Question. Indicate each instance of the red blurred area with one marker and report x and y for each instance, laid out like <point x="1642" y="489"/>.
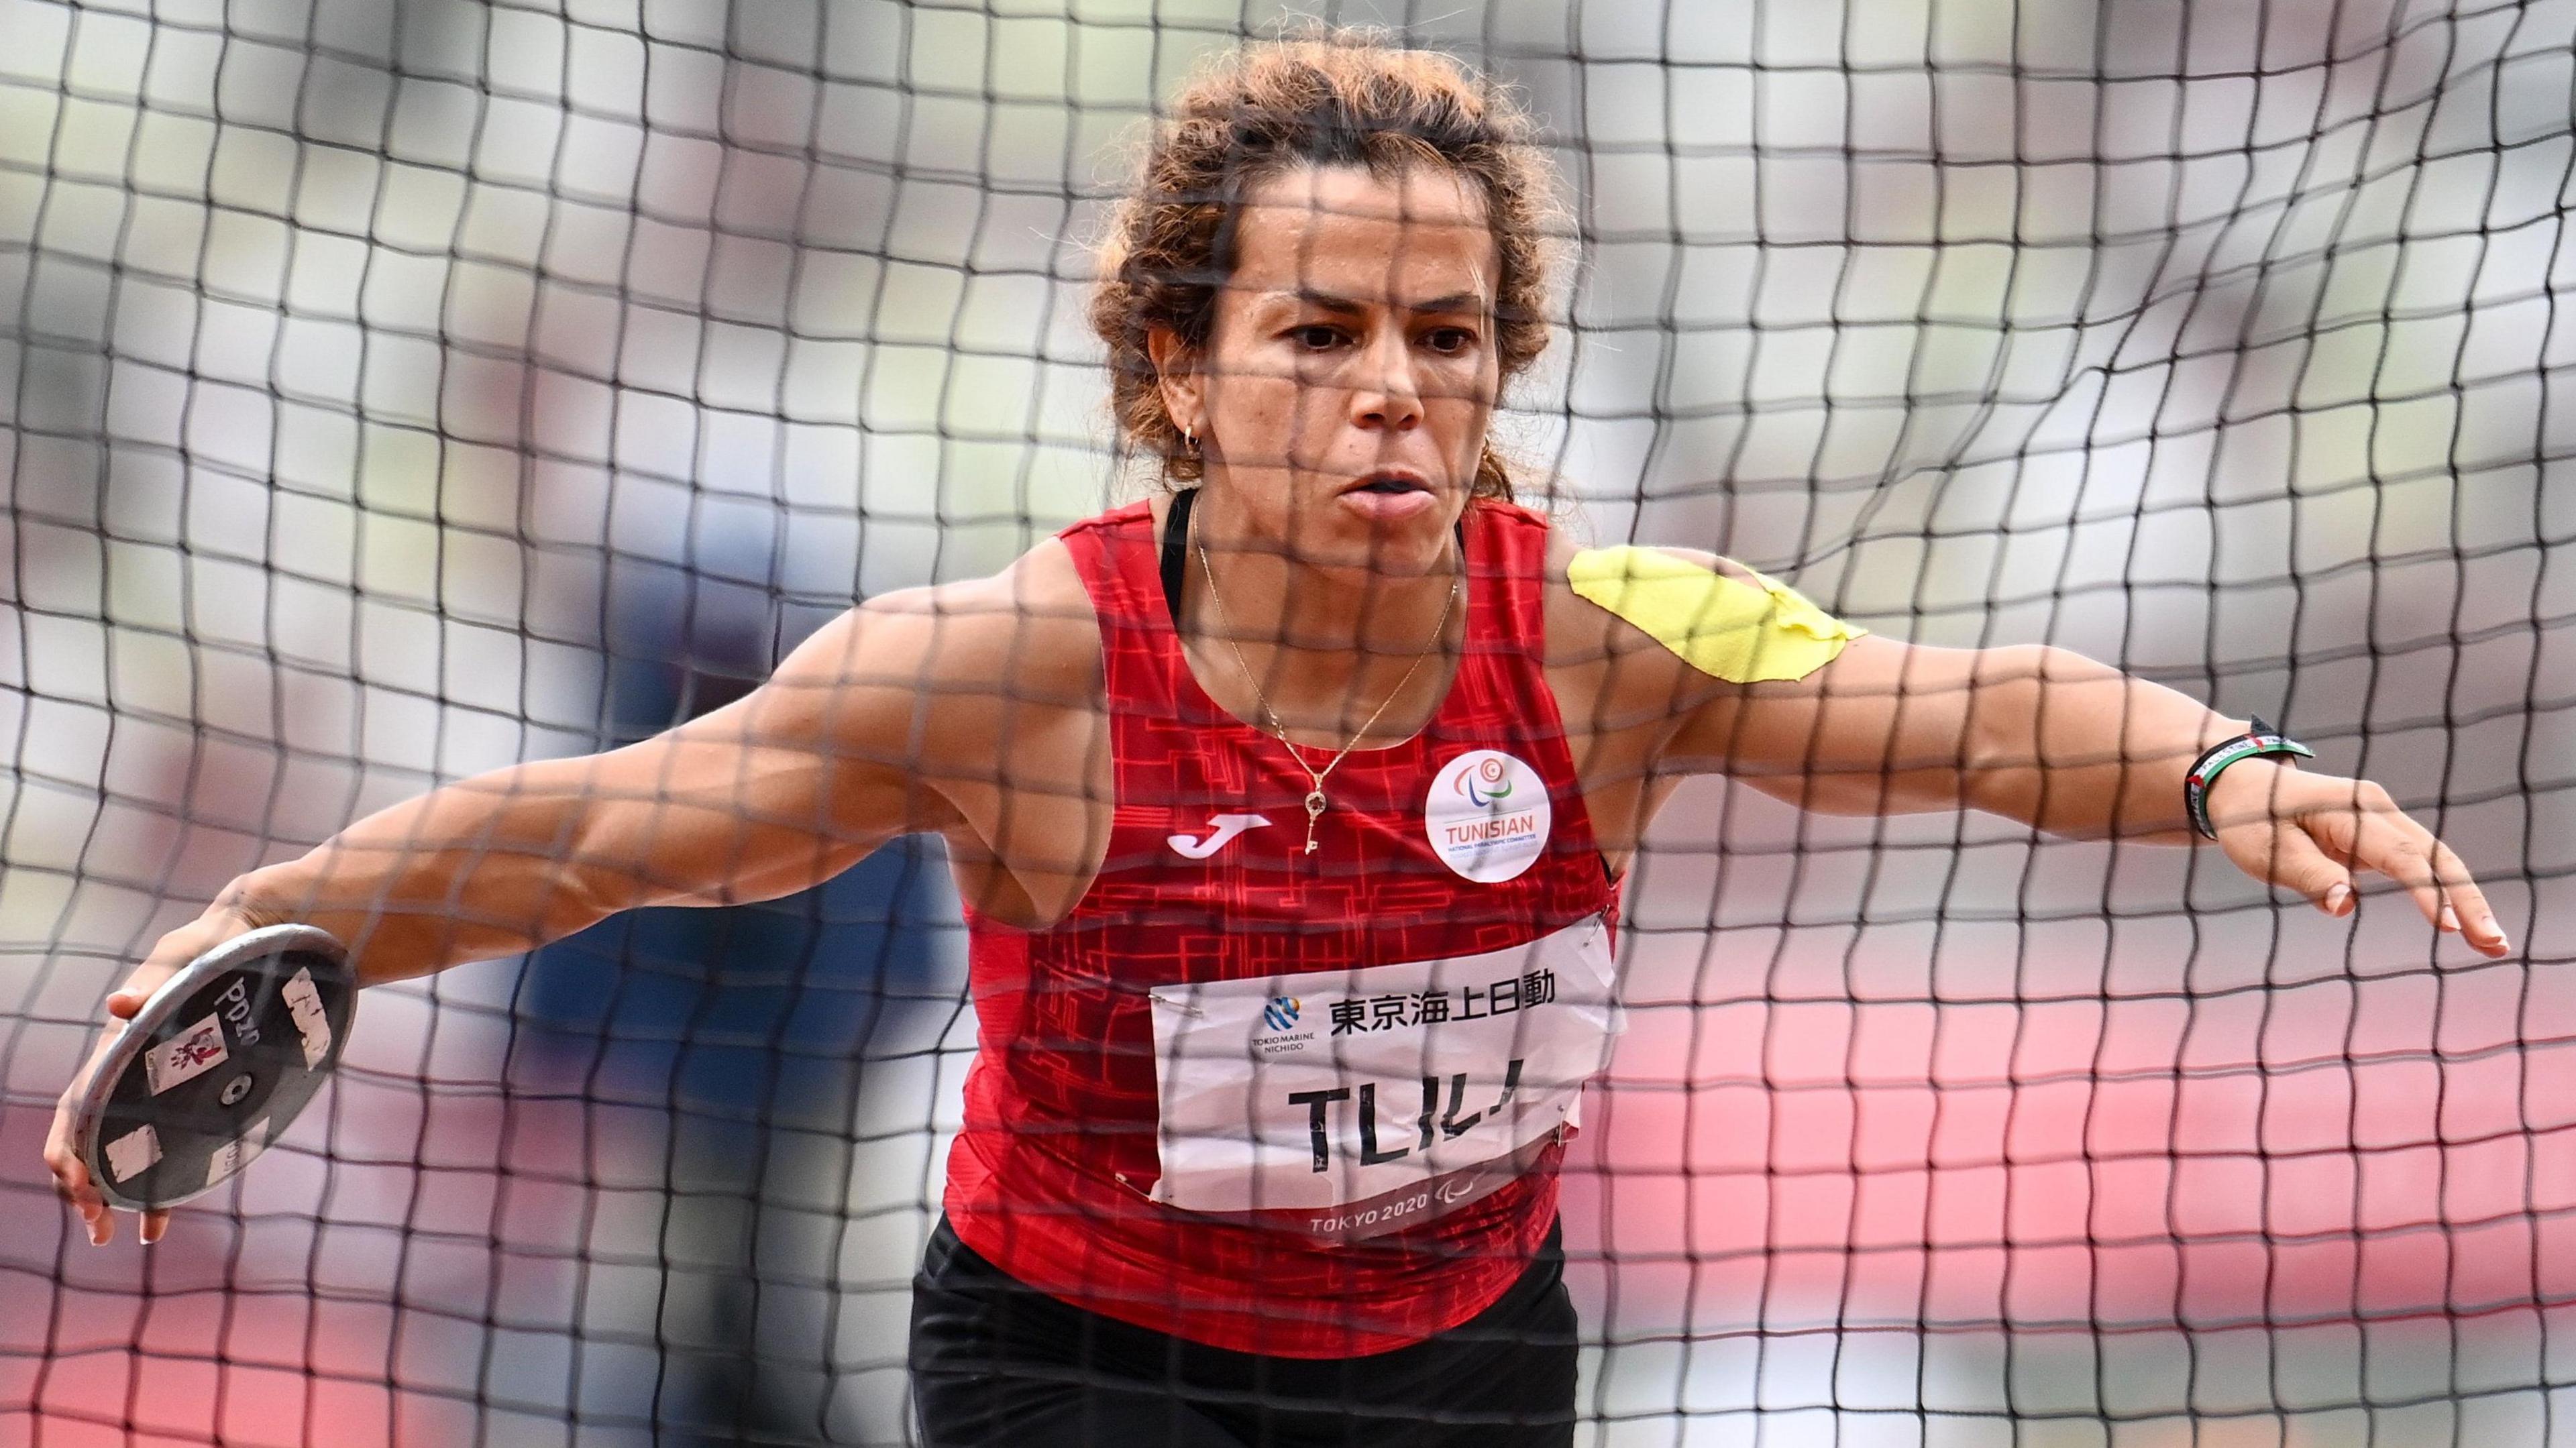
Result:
<point x="417" y="1264"/>
<point x="2370" y="1148"/>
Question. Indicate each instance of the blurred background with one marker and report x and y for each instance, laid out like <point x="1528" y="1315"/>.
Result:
<point x="395" y="389"/>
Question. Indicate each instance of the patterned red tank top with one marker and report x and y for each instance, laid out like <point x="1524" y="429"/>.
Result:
<point x="1307" y="1105"/>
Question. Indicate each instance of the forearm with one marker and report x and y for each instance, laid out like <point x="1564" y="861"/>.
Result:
<point x="484" y="867"/>
<point x="2076" y="747"/>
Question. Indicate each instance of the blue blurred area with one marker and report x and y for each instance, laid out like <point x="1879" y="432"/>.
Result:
<point x="761" y="1010"/>
<point x="747" y="1031"/>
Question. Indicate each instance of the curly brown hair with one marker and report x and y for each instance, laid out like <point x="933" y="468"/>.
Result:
<point x="1340" y="97"/>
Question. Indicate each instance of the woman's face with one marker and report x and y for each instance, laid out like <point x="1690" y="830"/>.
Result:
<point x="1342" y="399"/>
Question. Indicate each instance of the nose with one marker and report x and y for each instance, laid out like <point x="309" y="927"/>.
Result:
<point x="1386" y="396"/>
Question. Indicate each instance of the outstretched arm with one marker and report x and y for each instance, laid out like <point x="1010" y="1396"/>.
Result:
<point x="779" y="790"/>
<point x="845" y="746"/>
<point x="2070" y="746"/>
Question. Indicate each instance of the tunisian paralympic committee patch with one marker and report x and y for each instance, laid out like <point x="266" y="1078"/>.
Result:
<point x="1487" y="815"/>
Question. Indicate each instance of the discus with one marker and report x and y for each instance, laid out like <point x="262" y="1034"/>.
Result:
<point x="215" y="1066"/>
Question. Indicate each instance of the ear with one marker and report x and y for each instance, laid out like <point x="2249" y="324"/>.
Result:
<point x="1176" y="372"/>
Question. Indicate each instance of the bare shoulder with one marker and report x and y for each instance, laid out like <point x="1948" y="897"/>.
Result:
<point x="1003" y="682"/>
<point x="925" y="679"/>
<point x="1623" y="675"/>
<point x="1589" y="630"/>
<point x="1026" y="633"/>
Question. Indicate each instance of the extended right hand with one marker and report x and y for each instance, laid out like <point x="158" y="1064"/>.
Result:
<point x="71" y="1174"/>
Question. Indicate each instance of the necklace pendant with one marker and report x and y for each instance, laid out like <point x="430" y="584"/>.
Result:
<point x="1314" y="812"/>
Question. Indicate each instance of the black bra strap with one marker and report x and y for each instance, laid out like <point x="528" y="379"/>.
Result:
<point x="1176" y="547"/>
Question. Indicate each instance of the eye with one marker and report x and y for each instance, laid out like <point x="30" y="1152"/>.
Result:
<point x="1449" y="341"/>
<point x="1316" y="337"/>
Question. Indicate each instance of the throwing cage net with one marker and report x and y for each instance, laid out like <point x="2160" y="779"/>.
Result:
<point x="396" y="391"/>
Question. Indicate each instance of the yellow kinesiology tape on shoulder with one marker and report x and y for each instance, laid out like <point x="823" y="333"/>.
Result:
<point x="1742" y="632"/>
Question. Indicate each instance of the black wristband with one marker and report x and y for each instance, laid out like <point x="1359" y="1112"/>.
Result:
<point x="2258" y="738"/>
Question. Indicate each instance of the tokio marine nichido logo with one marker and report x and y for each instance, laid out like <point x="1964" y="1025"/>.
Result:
<point x="1487" y="816"/>
<point x="1280" y="1015"/>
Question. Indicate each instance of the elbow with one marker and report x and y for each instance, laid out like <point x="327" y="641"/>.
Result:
<point x="2047" y="739"/>
<point x="575" y="903"/>
<point x="2003" y="706"/>
<point x="2002" y="763"/>
<point x="587" y="882"/>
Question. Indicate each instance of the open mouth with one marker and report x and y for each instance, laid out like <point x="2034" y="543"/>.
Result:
<point x="1390" y="483"/>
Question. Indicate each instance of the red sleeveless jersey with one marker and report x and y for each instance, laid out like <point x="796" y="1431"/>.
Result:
<point x="1096" y="1161"/>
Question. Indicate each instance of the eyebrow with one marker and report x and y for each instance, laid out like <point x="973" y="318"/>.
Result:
<point x="1331" y="302"/>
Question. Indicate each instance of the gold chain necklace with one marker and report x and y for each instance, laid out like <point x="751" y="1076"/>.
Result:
<point x="1315" y="800"/>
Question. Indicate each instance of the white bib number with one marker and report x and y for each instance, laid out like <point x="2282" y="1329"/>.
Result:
<point x="1354" y="1102"/>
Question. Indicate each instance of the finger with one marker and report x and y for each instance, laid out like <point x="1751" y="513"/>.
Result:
<point x="97" y="1222"/>
<point x="72" y="1182"/>
<point x="2288" y="858"/>
<point x="2466" y="905"/>
<point x="154" y="1224"/>
<point x="124" y="1001"/>
<point x="2394" y="844"/>
<point x="2385" y="840"/>
<point x="71" y="1175"/>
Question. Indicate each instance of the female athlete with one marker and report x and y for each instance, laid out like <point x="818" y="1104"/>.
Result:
<point x="1290" y="808"/>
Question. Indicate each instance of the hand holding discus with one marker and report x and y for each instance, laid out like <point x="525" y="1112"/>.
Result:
<point x="222" y="1044"/>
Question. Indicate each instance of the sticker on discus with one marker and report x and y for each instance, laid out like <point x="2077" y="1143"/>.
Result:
<point x="132" y="1154"/>
<point x="304" y="1003"/>
<point x="186" y="1058"/>
<point x="233" y="1155"/>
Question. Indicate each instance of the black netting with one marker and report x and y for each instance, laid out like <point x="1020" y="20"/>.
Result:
<point x="396" y="391"/>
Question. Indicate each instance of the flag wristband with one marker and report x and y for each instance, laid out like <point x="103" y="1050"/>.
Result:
<point x="2259" y="738"/>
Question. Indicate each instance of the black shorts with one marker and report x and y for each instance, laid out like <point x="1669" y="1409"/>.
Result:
<point x="998" y="1364"/>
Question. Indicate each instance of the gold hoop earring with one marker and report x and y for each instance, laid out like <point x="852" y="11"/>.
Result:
<point x="1189" y="439"/>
